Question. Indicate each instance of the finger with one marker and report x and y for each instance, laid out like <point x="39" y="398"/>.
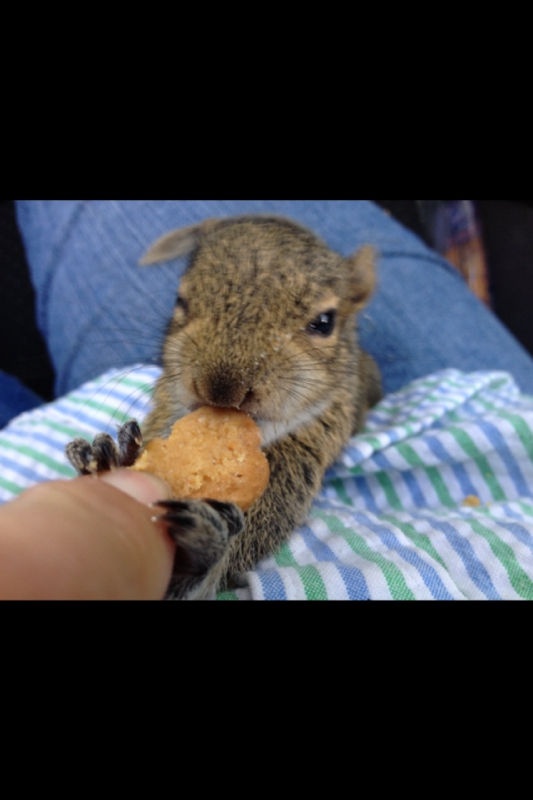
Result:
<point x="142" y="486"/>
<point x="83" y="539"/>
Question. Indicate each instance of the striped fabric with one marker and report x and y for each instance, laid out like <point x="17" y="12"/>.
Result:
<point x="434" y="500"/>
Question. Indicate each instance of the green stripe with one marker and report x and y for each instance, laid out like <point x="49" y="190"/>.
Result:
<point x="55" y="426"/>
<point x="483" y="510"/>
<point x="340" y="489"/>
<point x="63" y="469"/>
<point x="526" y="508"/>
<point x="357" y="471"/>
<point x="444" y="494"/>
<point x="453" y="416"/>
<point x="284" y="557"/>
<point x="374" y="442"/>
<point x="419" y="539"/>
<point x="430" y="385"/>
<point x="387" y="486"/>
<point x="472" y="451"/>
<point x="417" y="418"/>
<point x="227" y="596"/>
<point x="11" y="487"/>
<point x="520" y="581"/>
<point x="435" y="398"/>
<point x="498" y="383"/>
<point x="393" y="576"/>
<point x="101" y="407"/>
<point x="414" y="460"/>
<point x="519" y="424"/>
<point x="312" y="582"/>
<point x="137" y="382"/>
<point x="404" y="431"/>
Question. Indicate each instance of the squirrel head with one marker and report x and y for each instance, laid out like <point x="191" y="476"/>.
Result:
<point x="264" y="320"/>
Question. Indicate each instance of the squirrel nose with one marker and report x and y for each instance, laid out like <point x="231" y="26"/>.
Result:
<point x="223" y="389"/>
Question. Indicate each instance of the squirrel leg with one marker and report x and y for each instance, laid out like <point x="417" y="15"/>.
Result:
<point x="296" y="471"/>
<point x="373" y="387"/>
<point x="370" y="390"/>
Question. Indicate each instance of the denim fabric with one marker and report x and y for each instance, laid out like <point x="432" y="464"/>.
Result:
<point x="97" y="309"/>
<point x="15" y="398"/>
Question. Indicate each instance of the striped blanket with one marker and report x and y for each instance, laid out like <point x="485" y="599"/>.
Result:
<point x="434" y="500"/>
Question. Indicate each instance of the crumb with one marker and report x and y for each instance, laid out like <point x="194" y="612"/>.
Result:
<point x="471" y="501"/>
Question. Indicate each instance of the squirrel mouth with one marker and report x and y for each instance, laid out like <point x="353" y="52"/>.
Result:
<point x="256" y="418"/>
<point x="271" y="430"/>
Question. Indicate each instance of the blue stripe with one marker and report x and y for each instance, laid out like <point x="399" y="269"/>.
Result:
<point x="428" y="573"/>
<point x="414" y="489"/>
<point x="27" y="472"/>
<point x="128" y="406"/>
<point x="510" y="513"/>
<point x="355" y="583"/>
<point x="143" y="373"/>
<point x="106" y="395"/>
<point x="474" y="568"/>
<point x="408" y="477"/>
<point x="354" y="580"/>
<point x="522" y="534"/>
<point x="356" y="455"/>
<point x="272" y="585"/>
<point x="358" y="485"/>
<point x="6" y="495"/>
<point x="438" y="449"/>
<point x="393" y="435"/>
<point x="117" y="391"/>
<point x="35" y="436"/>
<point x="95" y="424"/>
<point x="355" y="485"/>
<point x="496" y="439"/>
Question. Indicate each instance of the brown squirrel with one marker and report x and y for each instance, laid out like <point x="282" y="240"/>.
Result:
<point x="265" y="321"/>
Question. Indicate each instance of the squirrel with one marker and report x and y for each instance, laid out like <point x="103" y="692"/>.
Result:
<point x="264" y="321"/>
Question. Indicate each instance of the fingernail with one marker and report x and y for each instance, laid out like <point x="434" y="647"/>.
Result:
<point x="142" y="486"/>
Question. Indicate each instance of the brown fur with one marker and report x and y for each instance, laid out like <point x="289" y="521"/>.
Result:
<point x="239" y="337"/>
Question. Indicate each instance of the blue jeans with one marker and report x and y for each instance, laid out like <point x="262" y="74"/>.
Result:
<point x="98" y="309"/>
<point x="15" y="398"/>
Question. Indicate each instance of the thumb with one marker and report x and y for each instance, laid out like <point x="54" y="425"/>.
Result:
<point x="87" y="538"/>
<point x="142" y="486"/>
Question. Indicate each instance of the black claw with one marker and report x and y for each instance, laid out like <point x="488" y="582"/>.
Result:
<point x="80" y="454"/>
<point x="179" y="524"/>
<point x="173" y="505"/>
<point x="105" y="452"/>
<point x="231" y="513"/>
<point x="201" y="530"/>
<point x="129" y="442"/>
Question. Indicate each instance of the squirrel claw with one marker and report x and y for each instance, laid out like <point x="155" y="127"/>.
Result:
<point x="202" y="530"/>
<point x="230" y="512"/>
<point x="103" y="454"/>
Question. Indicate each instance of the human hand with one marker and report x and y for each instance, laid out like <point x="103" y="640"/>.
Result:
<point x="86" y="539"/>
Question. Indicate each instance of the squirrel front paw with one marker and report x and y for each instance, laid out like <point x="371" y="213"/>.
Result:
<point x="202" y="529"/>
<point x="103" y="454"/>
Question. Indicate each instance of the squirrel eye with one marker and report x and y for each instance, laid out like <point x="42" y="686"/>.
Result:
<point x="181" y="303"/>
<point x="323" y="324"/>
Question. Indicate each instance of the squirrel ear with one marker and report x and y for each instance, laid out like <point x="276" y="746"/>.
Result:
<point x="183" y="241"/>
<point x="362" y="275"/>
<point x="179" y="242"/>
